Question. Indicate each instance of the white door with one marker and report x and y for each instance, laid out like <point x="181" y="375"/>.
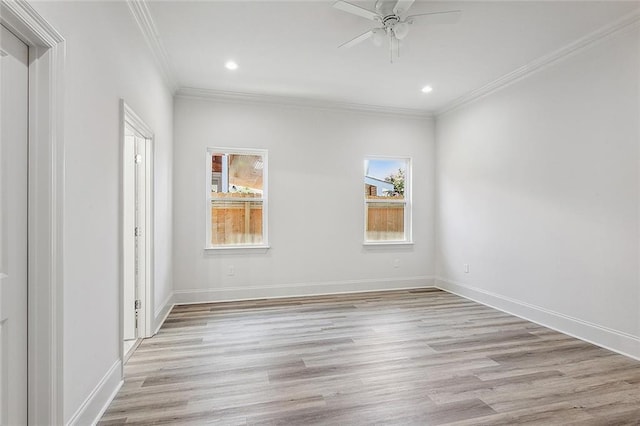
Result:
<point x="141" y="227"/>
<point x="129" y="225"/>
<point x="13" y="228"/>
<point x="134" y="227"/>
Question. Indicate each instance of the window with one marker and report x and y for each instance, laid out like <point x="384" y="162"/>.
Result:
<point x="236" y="198"/>
<point x="387" y="200"/>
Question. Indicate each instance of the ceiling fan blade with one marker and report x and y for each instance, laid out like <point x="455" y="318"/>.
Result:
<point x="357" y="10"/>
<point x="402" y="6"/>
<point x="446" y="17"/>
<point x="359" y="39"/>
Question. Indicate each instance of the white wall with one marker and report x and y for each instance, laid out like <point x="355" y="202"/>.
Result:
<point x="315" y="201"/>
<point x="538" y="192"/>
<point x="106" y="59"/>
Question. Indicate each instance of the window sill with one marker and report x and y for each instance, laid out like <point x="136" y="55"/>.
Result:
<point x="238" y="249"/>
<point x="387" y="243"/>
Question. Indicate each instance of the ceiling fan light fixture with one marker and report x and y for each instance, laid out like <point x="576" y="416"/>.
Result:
<point x="427" y="89"/>
<point x="231" y="65"/>
<point x="401" y="30"/>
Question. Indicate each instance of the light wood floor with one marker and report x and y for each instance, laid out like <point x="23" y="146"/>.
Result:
<point x="403" y="357"/>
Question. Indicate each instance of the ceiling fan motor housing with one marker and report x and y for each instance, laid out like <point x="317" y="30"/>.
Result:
<point x="390" y="20"/>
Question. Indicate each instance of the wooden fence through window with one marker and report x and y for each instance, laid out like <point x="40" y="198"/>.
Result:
<point x="240" y="222"/>
<point x="236" y="222"/>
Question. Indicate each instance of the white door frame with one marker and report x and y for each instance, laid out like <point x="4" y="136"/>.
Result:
<point x="45" y="205"/>
<point x="145" y="291"/>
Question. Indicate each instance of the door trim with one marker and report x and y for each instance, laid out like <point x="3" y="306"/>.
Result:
<point x="45" y="209"/>
<point x="145" y="326"/>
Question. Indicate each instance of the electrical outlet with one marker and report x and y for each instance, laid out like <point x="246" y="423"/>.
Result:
<point x="396" y="263"/>
<point x="231" y="271"/>
<point x="466" y="268"/>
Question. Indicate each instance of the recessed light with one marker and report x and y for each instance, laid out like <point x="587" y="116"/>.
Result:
<point x="427" y="89"/>
<point x="231" y="65"/>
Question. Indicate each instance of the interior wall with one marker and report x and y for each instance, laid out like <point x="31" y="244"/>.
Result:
<point x="538" y="192"/>
<point x="316" y="215"/>
<point x="106" y="60"/>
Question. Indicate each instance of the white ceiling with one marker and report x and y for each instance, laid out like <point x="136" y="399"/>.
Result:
<point x="286" y="48"/>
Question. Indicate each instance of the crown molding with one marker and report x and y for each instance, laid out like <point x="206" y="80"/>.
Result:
<point x="626" y="22"/>
<point x="254" y="98"/>
<point x="140" y="11"/>
<point x="43" y="33"/>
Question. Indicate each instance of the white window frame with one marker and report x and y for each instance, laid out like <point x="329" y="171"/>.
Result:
<point x="407" y="201"/>
<point x="264" y="199"/>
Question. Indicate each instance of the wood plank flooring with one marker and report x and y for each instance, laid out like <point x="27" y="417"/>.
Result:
<point x="403" y="357"/>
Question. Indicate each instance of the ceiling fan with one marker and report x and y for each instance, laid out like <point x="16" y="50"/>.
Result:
<point x="393" y="21"/>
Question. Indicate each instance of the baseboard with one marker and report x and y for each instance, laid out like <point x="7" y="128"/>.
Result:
<point x="92" y="409"/>
<point x="163" y="313"/>
<point x="301" y="289"/>
<point x="614" y="340"/>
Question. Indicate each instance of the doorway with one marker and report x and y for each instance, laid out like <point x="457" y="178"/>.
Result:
<point x="44" y="224"/>
<point x="137" y="162"/>
<point x="14" y="170"/>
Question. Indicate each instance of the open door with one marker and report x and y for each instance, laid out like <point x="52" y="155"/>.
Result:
<point x="129" y="247"/>
<point x="136" y="220"/>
